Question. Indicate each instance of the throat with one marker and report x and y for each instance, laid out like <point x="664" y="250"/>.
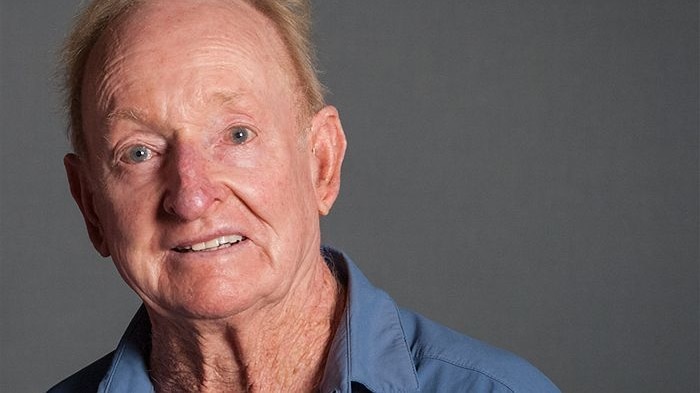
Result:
<point x="270" y="351"/>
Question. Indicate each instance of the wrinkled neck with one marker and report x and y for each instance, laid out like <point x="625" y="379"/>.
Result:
<point x="281" y="347"/>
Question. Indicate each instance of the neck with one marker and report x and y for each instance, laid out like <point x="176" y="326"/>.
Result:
<point x="281" y="348"/>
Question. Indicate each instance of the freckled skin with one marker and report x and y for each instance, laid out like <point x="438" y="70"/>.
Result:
<point x="198" y="181"/>
<point x="177" y="85"/>
<point x="175" y="77"/>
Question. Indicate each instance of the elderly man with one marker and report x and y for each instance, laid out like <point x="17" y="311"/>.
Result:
<point x="204" y="155"/>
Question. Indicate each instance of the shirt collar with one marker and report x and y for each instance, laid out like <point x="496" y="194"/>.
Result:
<point x="129" y="371"/>
<point x="369" y="346"/>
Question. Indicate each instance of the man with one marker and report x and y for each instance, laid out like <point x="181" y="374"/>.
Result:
<point x="204" y="155"/>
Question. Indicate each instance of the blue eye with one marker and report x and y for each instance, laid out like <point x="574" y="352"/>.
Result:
<point x="138" y="153"/>
<point x="241" y="135"/>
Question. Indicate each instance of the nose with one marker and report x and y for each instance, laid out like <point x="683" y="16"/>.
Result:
<point x="190" y="191"/>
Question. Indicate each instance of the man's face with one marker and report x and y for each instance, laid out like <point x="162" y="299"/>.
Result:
<point x="200" y="180"/>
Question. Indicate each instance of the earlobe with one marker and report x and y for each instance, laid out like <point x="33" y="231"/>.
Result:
<point x="82" y="194"/>
<point x="328" y="148"/>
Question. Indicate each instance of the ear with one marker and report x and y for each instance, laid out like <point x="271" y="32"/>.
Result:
<point x="328" y="150"/>
<point x="81" y="190"/>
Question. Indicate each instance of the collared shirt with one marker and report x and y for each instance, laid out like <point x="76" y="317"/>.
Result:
<point x="378" y="347"/>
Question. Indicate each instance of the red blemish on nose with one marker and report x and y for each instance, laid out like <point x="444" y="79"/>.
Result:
<point x="190" y="192"/>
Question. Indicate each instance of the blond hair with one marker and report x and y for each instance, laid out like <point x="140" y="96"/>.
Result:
<point x="291" y="18"/>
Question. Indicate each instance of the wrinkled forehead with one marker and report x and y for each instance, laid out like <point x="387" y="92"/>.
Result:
<point x="178" y="19"/>
<point x="170" y="32"/>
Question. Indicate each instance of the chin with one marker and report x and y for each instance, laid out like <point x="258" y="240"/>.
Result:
<point x="217" y="300"/>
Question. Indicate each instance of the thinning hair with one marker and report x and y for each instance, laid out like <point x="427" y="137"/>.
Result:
<point x="291" y="18"/>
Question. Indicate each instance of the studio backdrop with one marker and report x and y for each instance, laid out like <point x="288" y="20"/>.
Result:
<point x="525" y="172"/>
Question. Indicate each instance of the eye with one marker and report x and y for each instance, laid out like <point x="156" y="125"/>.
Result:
<point x="138" y="153"/>
<point x="241" y="135"/>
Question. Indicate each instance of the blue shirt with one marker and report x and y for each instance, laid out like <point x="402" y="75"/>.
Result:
<point x="378" y="347"/>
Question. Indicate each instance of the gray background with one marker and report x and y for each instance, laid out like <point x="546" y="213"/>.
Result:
<point x="524" y="172"/>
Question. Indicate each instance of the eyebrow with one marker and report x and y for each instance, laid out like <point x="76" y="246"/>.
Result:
<point x="220" y="97"/>
<point x="225" y="97"/>
<point x="125" y="114"/>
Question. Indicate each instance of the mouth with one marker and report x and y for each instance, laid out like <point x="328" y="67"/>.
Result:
<point x="212" y="245"/>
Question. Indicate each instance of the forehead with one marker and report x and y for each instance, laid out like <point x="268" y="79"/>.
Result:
<point x="181" y="40"/>
<point x="182" y="22"/>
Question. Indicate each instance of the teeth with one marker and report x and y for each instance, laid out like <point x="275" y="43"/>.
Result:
<point x="199" y="246"/>
<point x="214" y="243"/>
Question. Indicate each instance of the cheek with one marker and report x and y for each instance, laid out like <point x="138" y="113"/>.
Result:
<point x="130" y="228"/>
<point x="128" y="211"/>
<point x="272" y="169"/>
<point x="281" y="187"/>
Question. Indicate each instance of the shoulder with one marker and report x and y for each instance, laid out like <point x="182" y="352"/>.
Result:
<point x="86" y="380"/>
<point x="446" y="360"/>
